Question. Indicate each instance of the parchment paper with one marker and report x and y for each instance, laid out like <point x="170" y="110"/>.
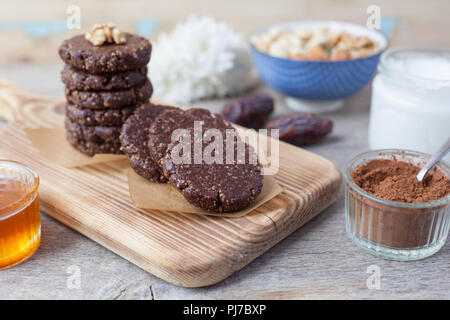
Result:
<point x="53" y="145"/>
<point x="163" y="196"/>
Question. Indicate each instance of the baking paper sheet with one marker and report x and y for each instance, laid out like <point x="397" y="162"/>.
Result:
<point x="163" y="196"/>
<point x="53" y="145"/>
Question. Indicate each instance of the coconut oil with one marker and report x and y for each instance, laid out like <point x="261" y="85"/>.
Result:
<point x="410" y="106"/>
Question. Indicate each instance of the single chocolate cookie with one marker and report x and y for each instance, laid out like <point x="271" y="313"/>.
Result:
<point x="110" y="99"/>
<point x="134" y="139"/>
<point x="220" y="181"/>
<point x="104" y="117"/>
<point x="91" y="148"/>
<point x="75" y="79"/>
<point x="109" y="57"/>
<point x="160" y="133"/>
<point x="93" y="134"/>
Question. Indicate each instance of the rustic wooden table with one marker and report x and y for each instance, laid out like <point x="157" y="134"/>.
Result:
<point x="317" y="261"/>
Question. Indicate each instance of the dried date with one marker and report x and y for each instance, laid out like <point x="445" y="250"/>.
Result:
<point x="250" y="112"/>
<point x="301" y="128"/>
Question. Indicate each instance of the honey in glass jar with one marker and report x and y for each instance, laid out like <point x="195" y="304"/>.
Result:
<point x="20" y="224"/>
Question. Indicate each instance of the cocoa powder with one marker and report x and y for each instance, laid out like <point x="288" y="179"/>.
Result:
<point x="396" y="181"/>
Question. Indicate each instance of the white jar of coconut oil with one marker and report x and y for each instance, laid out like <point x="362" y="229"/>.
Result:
<point x="410" y="106"/>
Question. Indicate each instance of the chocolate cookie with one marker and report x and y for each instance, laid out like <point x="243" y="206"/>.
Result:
<point x="91" y="148"/>
<point x="134" y="138"/>
<point x="109" y="57"/>
<point x="104" y="117"/>
<point x="160" y="132"/>
<point x="92" y="134"/>
<point x="110" y="99"/>
<point x="223" y="185"/>
<point x="75" y="79"/>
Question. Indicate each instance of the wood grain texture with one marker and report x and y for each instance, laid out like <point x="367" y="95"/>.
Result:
<point x="186" y="250"/>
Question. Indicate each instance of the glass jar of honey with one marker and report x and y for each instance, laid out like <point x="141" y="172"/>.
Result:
<point x="20" y="224"/>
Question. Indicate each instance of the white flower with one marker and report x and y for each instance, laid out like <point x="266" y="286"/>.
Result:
<point x="200" y="58"/>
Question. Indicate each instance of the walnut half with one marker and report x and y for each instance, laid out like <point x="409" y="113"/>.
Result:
<point x="109" y="33"/>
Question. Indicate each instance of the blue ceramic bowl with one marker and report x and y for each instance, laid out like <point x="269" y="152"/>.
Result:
<point x="318" y="80"/>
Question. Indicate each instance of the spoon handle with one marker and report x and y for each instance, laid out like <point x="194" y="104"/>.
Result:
<point x="435" y="158"/>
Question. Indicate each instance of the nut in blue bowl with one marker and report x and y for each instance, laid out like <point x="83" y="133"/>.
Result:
<point x="318" y="86"/>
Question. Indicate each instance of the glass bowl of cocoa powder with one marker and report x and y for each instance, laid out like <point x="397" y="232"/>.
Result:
<point x="388" y="212"/>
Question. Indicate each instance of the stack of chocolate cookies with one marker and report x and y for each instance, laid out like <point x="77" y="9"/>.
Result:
<point x="105" y="82"/>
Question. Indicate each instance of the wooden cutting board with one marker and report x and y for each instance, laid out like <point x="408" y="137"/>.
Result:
<point x="184" y="249"/>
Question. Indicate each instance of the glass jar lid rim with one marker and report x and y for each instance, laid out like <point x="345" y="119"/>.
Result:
<point x="19" y="204"/>
<point x="385" y="66"/>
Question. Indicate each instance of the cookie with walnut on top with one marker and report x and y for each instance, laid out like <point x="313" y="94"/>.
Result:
<point x="106" y="80"/>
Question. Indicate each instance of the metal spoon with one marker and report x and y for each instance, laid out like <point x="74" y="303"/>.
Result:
<point x="435" y="158"/>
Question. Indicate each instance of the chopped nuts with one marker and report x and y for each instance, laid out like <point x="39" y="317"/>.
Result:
<point x="109" y="33"/>
<point x="318" y="44"/>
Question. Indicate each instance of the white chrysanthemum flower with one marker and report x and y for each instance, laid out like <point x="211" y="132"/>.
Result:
<point x="200" y="58"/>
